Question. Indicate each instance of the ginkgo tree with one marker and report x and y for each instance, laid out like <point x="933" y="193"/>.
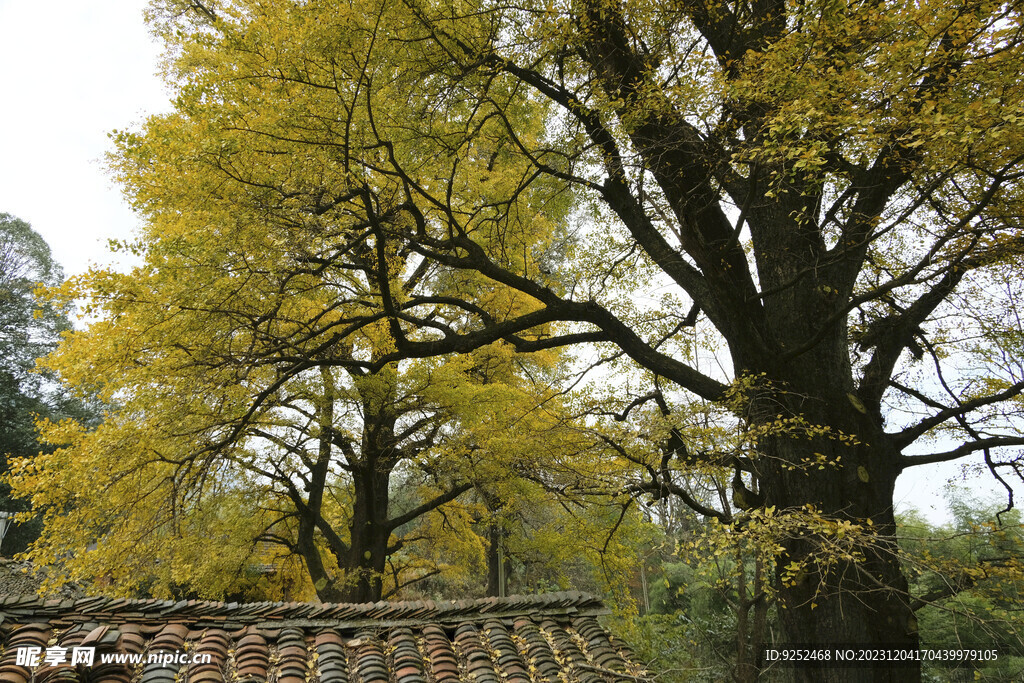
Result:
<point x="245" y="413"/>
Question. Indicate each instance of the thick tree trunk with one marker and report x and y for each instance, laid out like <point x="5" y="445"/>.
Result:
<point x="497" y="563"/>
<point x="364" y="564"/>
<point x="306" y="545"/>
<point x="840" y="601"/>
<point x="837" y="467"/>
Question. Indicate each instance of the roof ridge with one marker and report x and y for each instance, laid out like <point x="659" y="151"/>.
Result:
<point x="561" y="603"/>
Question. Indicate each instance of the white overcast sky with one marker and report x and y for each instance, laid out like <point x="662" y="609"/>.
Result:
<point x="72" y="71"/>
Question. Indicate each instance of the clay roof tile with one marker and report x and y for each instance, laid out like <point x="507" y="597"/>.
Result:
<point x="525" y="639"/>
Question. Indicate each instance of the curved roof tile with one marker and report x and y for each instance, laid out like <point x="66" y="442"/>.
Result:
<point x="522" y="639"/>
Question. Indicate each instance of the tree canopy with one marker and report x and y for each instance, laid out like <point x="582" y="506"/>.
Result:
<point x="240" y="419"/>
<point x="825" y="192"/>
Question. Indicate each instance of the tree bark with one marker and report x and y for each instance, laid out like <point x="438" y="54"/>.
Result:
<point x="835" y="600"/>
<point x="363" y="567"/>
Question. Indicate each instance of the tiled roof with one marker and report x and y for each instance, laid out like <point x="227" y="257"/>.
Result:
<point x="551" y="638"/>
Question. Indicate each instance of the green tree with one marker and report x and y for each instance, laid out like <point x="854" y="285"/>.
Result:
<point x="966" y="578"/>
<point x="29" y="329"/>
<point x="25" y="264"/>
